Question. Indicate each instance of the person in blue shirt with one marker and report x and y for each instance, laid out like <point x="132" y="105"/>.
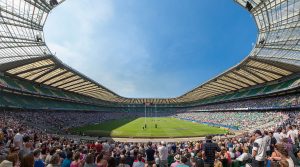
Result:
<point x="67" y="161"/>
<point x="37" y="161"/>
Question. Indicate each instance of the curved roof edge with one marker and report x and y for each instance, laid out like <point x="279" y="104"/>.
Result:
<point x="24" y="54"/>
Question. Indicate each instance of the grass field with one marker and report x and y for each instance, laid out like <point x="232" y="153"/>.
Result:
<point x="167" y="127"/>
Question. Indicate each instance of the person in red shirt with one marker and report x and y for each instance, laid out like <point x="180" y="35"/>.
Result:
<point x="98" y="146"/>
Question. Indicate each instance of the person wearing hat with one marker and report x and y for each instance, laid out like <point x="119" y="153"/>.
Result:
<point x="209" y="152"/>
<point x="177" y="159"/>
<point x="183" y="162"/>
<point x="259" y="150"/>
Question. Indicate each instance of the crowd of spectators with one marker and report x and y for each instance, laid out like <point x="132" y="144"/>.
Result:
<point x="23" y="144"/>
<point x="62" y="121"/>
<point x="251" y="104"/>
<point x="241" y="120"/>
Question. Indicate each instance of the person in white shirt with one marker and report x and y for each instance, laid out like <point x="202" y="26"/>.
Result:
<point x="259" y="150"/>
<point x="291" y="134"/>
<point x="18" y="139"/>
<point x="276" y="135"/>
<point x="163" y="154"/>
<point x="296" y="132"/>
<point x="283" y="135"/>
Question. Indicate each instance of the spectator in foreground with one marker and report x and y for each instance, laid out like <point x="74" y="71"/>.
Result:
<point x="183" y="162"/>
<point x="177" y="160"/>
<point x="27" y="161"/>
<point x="37" y="161"/>
<point x="76" y="162"/>
<point x="163" y="155"/>
<point x="55" y="161"/>
<point x="284" y="155"/>
<point x="259" y="150"/>
<point x="100" y="161"/>
<point x="150" y="155"/>
<point x="245" y="156"/>
<point x="217" y="162"/>
<point x="199" y="160"/>
<point x="89" y="161"/>
<point x="67" y="161"/>
<point x="138" y="162"/>
<point x="111" y="162"/>
<point x="122" y="163"/>
<point x="284" y="163"/>
<point x="209" y="152"/>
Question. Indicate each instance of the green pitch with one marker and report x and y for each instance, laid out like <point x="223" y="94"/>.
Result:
<point x="166" y="127"/>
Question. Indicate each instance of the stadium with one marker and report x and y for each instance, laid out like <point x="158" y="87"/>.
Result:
<point x="54" y="115"/>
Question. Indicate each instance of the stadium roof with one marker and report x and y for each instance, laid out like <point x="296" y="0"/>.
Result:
<point x="24" y="53"/>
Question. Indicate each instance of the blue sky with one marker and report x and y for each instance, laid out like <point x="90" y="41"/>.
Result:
<point x="150" y="48"/>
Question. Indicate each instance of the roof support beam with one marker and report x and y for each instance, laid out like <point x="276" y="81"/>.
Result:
<point x="253" y="73"/>
<point x="260" y="72"/>
<point x="64" y="83"/>
<point x="37" y="72"/>
<point x="243" y="77"/>
<point x="55" y="76"/>
<point x="40" y="76"/>
<point x="269" y="71"/>
<point x="33" y="69"/>
<point x="282" y="65"/>
<point x="238" y="81"/>
<point x="78" y="85"/>
<point x="248" y="78"/>
<point x="72" y="84"/>
<point x="226" y="83"/>
<point x="23" y="46"/>
<point x="19" y="16"/>
<point x="85" y="89"/>
<point x="206" y="91"/>
<point x="62" y="79"/>
<point x="18" y="63"/>
<point x="91" y="87"/>
<point x="218" y="87"/>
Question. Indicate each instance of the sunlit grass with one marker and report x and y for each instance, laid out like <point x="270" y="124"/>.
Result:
<point x="166" y="127"/>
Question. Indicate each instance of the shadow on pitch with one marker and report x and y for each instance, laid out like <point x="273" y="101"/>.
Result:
<point x="104" y="129"/>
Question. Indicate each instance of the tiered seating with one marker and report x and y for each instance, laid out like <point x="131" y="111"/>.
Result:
<point x="61" y="96"/>
<point x="250" y="92"/>
<point x="43" y="90"/>
<point x="30" y="102"/>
